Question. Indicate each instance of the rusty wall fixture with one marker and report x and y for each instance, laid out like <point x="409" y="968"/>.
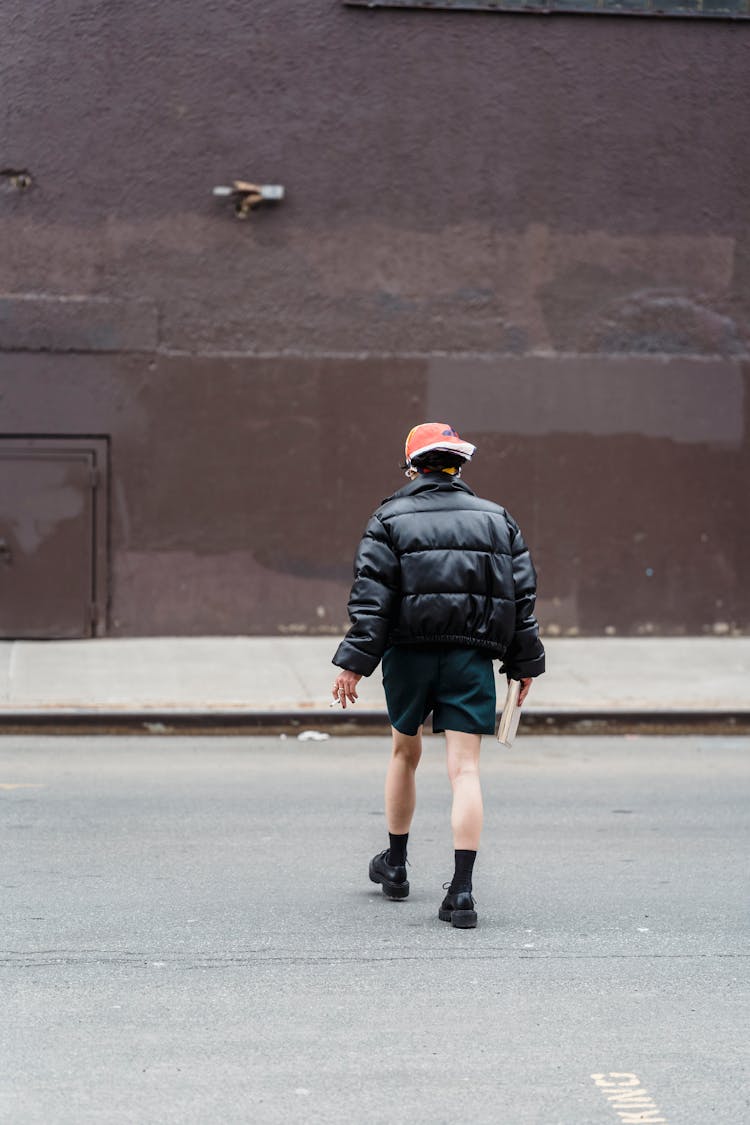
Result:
<point x="246" y="197"/>
<point x="16" y="178"/>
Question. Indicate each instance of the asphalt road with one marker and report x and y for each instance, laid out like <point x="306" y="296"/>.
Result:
<point x="189" y="936"/>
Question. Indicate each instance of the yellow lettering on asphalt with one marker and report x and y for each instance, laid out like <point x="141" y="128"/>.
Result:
<point x="19" y="785"/>
<point x="627" y="1097"/>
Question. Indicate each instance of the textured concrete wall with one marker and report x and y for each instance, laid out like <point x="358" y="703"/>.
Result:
<point x="241" y="486"/>
<point x="472" y="202"/>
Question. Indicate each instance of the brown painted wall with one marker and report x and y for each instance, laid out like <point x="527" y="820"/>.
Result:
<point x="533" y="227"/>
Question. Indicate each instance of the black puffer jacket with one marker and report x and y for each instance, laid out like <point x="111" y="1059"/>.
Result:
<point x="438" y="563"/>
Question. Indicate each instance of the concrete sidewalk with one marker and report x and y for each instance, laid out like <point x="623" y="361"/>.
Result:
<point x="287" y="676"/>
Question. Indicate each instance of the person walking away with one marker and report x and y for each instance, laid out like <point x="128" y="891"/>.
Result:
<point x="443" y="585"/>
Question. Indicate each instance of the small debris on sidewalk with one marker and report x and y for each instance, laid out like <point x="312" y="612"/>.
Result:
<point x="312" y="736"/>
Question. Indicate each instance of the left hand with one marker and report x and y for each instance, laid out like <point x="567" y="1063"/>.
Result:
<point x="345" y="686"/>
<point x="525" y="685"/>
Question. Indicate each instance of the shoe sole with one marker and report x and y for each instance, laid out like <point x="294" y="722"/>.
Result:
<point x="395" y="891"/>
<point x="461" y="919"/>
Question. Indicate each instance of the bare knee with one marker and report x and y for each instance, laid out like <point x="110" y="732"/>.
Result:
<point x="461" y="767"/>
<point x="463" y="755"/>
<point x="407" y="748"/>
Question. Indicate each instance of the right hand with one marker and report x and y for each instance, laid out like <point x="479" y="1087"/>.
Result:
<point x="345" y="687"/>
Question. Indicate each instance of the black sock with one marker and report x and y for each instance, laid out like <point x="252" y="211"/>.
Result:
<point x="464" y="867"/>
<point x="397" y="850"/>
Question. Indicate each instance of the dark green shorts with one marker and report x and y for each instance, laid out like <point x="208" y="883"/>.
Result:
<point x="456" y="684"/>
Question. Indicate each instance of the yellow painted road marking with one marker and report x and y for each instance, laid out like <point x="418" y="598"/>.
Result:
<point x="19" y="785"/>
<point x="625" y="1093"/>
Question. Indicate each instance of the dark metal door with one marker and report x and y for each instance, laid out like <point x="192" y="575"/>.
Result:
<point x="52" y="537"/>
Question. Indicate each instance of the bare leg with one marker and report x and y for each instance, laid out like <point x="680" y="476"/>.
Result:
<point x="467" y="812"/>
<point x="400" y="784"/>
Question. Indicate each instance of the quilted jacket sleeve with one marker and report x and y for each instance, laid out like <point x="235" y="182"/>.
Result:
<point x="525" y="655"/>
<point x="373" y="601"/>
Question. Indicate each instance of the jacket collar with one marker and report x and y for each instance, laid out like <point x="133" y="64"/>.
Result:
<point x="431" y="482"/>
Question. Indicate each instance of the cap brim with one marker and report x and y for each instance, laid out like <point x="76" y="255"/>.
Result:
<point x="463" y="448"/>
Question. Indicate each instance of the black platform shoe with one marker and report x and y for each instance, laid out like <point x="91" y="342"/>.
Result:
<point x="458" y="909"/>
<point x="393" y="878"/>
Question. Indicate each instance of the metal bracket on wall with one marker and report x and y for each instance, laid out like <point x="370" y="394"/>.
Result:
<point x="18" y="178"/>
<point x="246" y="197"/>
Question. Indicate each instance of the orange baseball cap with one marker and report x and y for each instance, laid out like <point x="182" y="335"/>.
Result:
<point x="436" y="435"/>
